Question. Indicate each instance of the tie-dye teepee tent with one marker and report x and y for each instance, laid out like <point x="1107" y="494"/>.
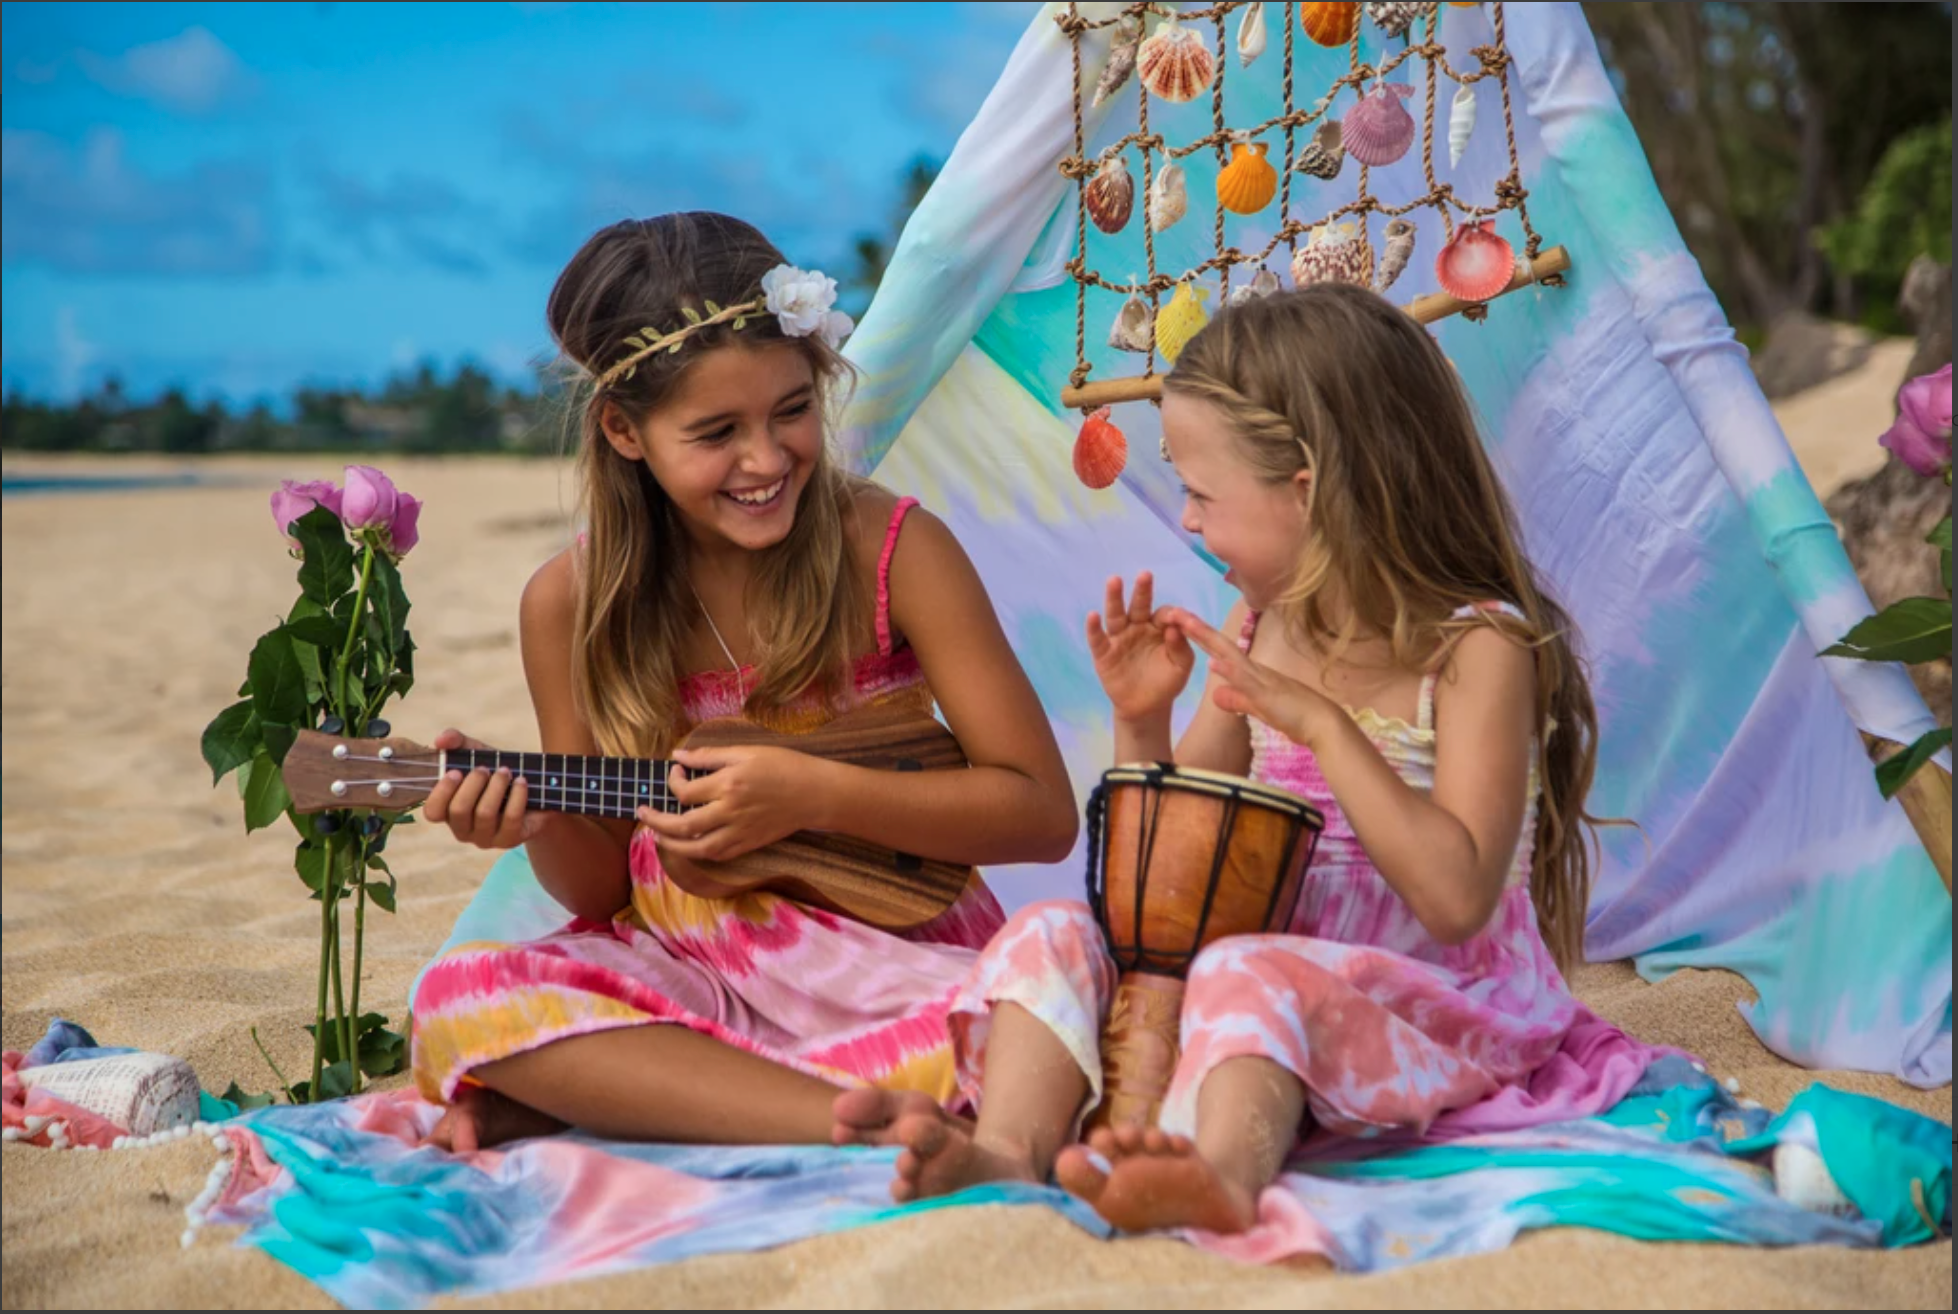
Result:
<point x="1655" y="488"/>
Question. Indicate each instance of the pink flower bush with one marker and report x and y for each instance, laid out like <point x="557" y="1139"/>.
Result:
<point x="1921" y="437"/>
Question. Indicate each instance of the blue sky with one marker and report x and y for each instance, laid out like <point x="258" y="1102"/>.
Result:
<point x="236" y="198"/>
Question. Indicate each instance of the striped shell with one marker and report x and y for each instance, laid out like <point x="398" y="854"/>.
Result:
<point x="1322" y="156"/>
<point x="1379" y="129"/>
<point x="1100" y="451"/>
<point x="1175" y="64"/>
<point x="1394" y="16"/>
<point x="1336" y="253"/>
<point x="1179" y="321"/>
<point x="1400" y="249"/>
<point x="1247" y="184"/>
<point x="1169" y="200"/>
<point x="1477" y="263"/>
<point x="1121" y="58"/>
<point x="1330" y="24"/>
<point x="1111" y="195"/>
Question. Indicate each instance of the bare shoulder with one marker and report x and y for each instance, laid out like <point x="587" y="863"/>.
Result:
<point x="550" y="597"/>
<point x="1491" y="662"/>
<point x="871" y="508"/>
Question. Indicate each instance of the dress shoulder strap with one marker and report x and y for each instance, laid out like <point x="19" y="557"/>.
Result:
<point x="1425" y="717"/>
<point x="1248" y="632"/>
<point x="885" y="643"/>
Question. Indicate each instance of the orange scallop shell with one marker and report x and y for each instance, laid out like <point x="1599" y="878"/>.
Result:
<point x="1330" y="24"/>
<point x="1100" y="451"/>
<point x="1175" y="64"/>
<point x="1476" y="264"/>
<point x="1247" y="184"/>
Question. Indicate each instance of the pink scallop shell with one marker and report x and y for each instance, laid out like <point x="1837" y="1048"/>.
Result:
<point x="1477" y="263"/>
<point x="1175" y="64"/>
<point x="1379" y="129"/>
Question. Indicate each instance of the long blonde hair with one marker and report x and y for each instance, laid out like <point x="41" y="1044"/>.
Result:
<point x="634" y="608"/>
<point x="1408" y="520"/>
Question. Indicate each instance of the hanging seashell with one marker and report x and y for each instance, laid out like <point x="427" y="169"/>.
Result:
<point x="1250" y="35"/>
<point x="1461" y="122"/>
<point x="1330" y="24"/>
<point x="1121" y="58"/>
<point x="1322" y="156"/>
<point x="1180" y="320"/>
<point x="1111" y="195"/>
<point x="1262" y="284"/>
<point x="1394" y="17"/>
<point x="1476" y="264"/>
<point x="1247" y="184"/>
<point x="1175" y="64"/>
<point x="1100" y="451"/>
<point x="1335" y="253"/>
<point x="1168" y="201"/>
<point x="1379" y="129"/>
<point x="1400" y="249"/>
<point x="1134" y="328"/>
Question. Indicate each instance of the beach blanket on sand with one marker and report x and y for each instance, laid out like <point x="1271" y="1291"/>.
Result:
<point x="346" y="1195"/>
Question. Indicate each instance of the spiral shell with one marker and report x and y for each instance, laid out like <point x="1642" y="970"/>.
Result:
<point x="1168" y="199"/>
<point x="1394" y="17"/>
<point x="1175" y="64"/>
<point x="1111" y="195"/>
<point x="1134" y="328"/>
<point x="1335" y="253"/>
<point x="1262" y="284"/>
<point x="1247" y="184"/>
<point x="1330" y="24"/>
<point x="1322" y="156"/>
<point x="1121" y="57"/>
<point x="1461" y="122"/>
<point x="1400" y="249"/>
<point x="1179" y="321"/>
<point x="1379" y="129"/>
<point x="1100" y="451"/>
<point x="1250" y="35"/>
<point x="1477" y="263"/>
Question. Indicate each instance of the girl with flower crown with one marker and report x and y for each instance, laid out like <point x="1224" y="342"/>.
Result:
<point x="729" y="568"/>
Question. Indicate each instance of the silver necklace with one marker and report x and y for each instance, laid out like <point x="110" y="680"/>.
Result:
<point x="740" y="681"/>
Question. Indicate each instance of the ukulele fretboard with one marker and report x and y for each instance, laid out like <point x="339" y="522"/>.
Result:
<point x="593" y="786"/>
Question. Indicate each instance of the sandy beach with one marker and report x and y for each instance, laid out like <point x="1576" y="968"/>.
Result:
<point x="135" y="905"/>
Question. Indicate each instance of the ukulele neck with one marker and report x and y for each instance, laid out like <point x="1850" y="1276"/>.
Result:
<point x="567" y="782"/>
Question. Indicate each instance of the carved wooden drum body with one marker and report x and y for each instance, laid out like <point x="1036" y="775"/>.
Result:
<point x="1178" y="859"/>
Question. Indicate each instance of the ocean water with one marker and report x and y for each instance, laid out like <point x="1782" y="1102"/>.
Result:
<point x="50" y="485"/>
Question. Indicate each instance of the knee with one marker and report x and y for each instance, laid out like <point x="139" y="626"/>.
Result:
<point x="1223" y="964"/>
<point x="1056" y="920"/>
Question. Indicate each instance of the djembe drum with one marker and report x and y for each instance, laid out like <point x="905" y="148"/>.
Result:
<point x="1177" y="859"/>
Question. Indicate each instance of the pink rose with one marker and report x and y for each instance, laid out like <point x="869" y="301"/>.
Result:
<point x="1921" y="437"/>
<point x="370" y="499"/>
<point x="292" y="499"/>
<point x="403" y="534"/>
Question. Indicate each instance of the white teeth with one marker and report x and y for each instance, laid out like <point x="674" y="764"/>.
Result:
<point x="759" y="496"/>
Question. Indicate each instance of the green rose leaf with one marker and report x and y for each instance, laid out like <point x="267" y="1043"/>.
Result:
<point x="279" y="740"/>
<point x="319" y="631"/>
<point x="1913" y="630"/>
<point x="327" y="570"/>
<point x="265" y="794"/>
<point x="230" y="739"/>
<point x="382" y="1052"/>
<point x="390" y="600"/>
<point x="278" y="680"/>
<point x="246" y="1102"/>
<point x="309" y="860"/>
<point x="1894" y="772"/>
<point x="1940" y="538"/>
<point x="337" y="1080"/>
<point x="382" y="895"/>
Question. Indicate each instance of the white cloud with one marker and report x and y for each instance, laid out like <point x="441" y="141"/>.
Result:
<point x="72" y="353"/>
<point x="191" y="73"/>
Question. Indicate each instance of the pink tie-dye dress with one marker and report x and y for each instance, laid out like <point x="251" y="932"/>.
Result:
<point x="817" y="992"/>
<point x="1385" y="1026"/>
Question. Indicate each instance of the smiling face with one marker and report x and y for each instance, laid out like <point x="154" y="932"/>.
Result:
<point x="1255" y="528"/>
<point x="734" y="444"/>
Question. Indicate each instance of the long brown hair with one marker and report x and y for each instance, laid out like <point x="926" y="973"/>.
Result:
<point x="1408" y="520"/>
<point x="633" y="607"/>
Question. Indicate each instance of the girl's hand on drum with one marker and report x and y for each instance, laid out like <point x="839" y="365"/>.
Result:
<point x="1249" y="688"/>
<point x="1142" y="663"/>
<point x="739" y="799"/>
<point x="482" y="807"/>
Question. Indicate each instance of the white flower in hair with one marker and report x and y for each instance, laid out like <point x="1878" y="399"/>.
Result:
<point x="801" y="301"/>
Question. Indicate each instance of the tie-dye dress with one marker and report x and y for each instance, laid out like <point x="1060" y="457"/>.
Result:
<point x="819" y="993"/>
<point x="1385" y="1026"/>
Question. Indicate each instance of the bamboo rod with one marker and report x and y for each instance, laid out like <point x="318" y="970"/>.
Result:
<point x="1425" y="310"/>
<point x="1926" y="797"/>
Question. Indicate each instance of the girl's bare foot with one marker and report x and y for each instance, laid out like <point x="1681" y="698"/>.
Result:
<point x="869" y="1116"/>
<point x="943" y="1154"/>
<point x="481" y="1118"/>
<point x="1154" y="1181"/>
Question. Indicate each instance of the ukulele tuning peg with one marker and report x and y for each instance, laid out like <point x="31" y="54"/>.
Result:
<point x="332" y="725"/>
<point x="378" y="729"/>
<point x="375" y="825"/>
<point x="326" y="823"/>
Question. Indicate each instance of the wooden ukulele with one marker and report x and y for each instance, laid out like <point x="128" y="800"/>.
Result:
<point x="858" y="879"/>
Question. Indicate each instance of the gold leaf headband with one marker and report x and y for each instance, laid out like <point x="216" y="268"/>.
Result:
<point x="650" y="341"/>
<point x="800" y="300"/>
